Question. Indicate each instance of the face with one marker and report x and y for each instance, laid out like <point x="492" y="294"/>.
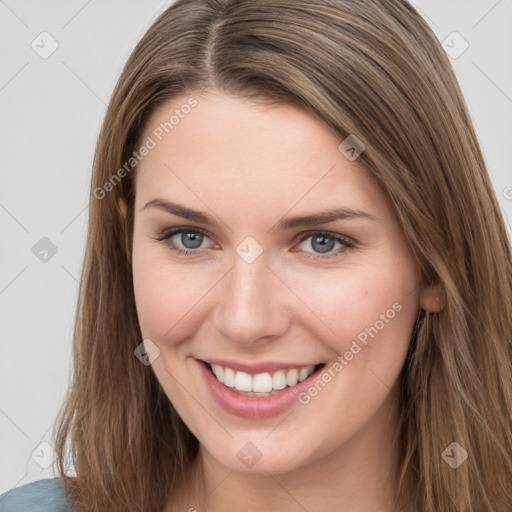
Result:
<point x="263" y="254"/>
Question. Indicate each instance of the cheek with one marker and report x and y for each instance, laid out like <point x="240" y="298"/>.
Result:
<point x="167" y="295"/>
<point x="364" y="304"/>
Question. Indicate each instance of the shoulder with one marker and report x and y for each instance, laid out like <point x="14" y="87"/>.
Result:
<point x="45" y="495"/>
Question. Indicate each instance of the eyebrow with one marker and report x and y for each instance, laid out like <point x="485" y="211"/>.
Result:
<point x="312" y="219"/>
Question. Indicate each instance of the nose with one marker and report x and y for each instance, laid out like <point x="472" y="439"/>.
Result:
<point x="252" y="305"/>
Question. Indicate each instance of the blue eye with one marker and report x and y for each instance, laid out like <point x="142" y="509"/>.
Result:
<point x="188" y="241"/>
<point x="324" y="242"/>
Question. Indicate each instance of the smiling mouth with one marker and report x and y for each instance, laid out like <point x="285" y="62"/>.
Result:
<point x="261" y="384"/>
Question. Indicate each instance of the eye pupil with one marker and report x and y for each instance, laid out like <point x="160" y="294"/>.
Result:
<point x="322" y="244"/>
<point x="191" y="239"/>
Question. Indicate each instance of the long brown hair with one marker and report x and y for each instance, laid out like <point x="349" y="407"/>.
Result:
<point x="367" y="67"/>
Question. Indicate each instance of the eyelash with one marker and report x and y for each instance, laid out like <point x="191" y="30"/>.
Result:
<point x="166" y="235"/>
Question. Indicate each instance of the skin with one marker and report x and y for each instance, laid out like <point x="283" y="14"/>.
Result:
<point x="249" y="165"/>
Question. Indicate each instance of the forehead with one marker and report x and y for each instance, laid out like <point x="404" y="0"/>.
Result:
<point x="226" y="150"/>
<point x="219" y="124"/>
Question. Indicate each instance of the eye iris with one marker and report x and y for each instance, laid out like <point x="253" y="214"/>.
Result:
<point x="191" y="239"/>
<point x="322" y="243"/>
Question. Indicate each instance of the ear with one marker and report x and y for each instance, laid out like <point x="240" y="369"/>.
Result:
<point x="432" y="297"/>
<point x="122" y="206"/>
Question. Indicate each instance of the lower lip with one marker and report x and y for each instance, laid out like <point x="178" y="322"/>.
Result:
<point x="251" y="406"/>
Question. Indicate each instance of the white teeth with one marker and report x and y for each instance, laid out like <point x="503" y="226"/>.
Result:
<point x="251" y="393"/>
<point x="218" y="371"/>
<point x="305" y="373"/>
<point x="229" y="377"/>
<point x="261" y="384"/>
<point x="243" y="381"/>
<point x="292" y="377"/>
<point x="279" y="380"/>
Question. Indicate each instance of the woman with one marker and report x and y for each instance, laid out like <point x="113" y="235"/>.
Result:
<point x="297" y="287"/>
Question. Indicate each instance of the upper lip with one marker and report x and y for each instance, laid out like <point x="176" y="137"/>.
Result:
<point x="261" y="367"/>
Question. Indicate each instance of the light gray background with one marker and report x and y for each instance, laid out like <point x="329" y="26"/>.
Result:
<point x="51" y="112"/>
